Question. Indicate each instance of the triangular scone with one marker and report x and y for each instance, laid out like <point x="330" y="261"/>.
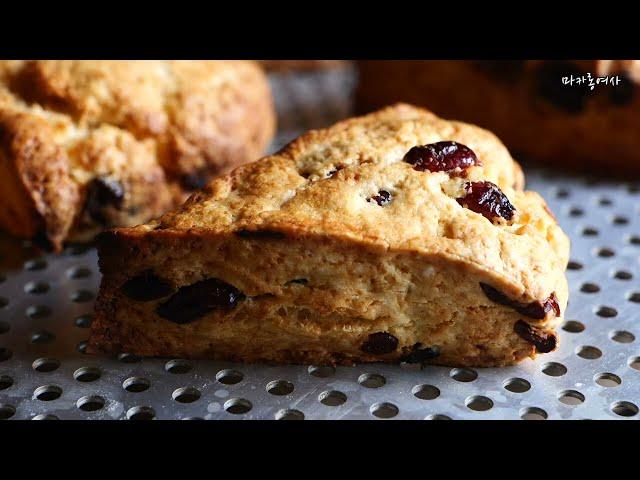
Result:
<point x="349" y="245"/>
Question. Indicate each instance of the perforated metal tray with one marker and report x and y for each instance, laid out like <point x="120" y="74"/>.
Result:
<point x="46" y="304"/>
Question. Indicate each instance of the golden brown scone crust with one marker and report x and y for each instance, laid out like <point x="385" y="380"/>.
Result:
<point x="158" y="128"/>
<point x="598" y="130"/>
<point x="321" y="268"/>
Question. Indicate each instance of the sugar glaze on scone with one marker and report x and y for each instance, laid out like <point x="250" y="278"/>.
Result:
<point x="344" y="247"/>
<point x="88" y="145"/>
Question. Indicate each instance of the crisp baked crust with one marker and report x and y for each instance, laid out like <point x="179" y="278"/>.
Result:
<point x="315" y="271"/>
<point x="150" y="131"/>
<point x="525" y="104"/>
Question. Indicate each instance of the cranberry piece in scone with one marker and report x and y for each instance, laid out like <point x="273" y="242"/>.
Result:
<point x="380" y="343"/>
<point x="488" y="200"/>
<point x="441" y="157"/>
<point x="196" y="300"/>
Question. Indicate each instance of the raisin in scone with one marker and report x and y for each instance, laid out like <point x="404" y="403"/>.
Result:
<point x="397" y="236"/>
<point x="526" y="104"/>
<point x="86" y="145"/>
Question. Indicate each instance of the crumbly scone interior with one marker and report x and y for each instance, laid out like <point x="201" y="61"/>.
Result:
<point x="322" y="266"/>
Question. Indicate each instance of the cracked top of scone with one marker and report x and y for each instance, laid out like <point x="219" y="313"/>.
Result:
<point x="362" y="181"/>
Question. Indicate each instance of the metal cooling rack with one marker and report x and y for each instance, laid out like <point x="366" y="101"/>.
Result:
<point x="46" y="304"/>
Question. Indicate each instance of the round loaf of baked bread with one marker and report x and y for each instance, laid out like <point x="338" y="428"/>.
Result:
<point x="86" y="145"/>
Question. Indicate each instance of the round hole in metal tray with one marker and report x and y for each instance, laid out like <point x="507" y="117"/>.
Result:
<point x="77" y="273"/>
<point x="229" y="376"/>
<point x="87" y="374"/>
<point x="554" y="369"/>
<point x="573" y="265"/>
<point x="186" y="395"/>
<point x="573" y="326"/>
<point x="141" y="413"/>
<point x="6" y="411"/>
<point x="237" y="406"/>
<point x="533" y="413"/>
<point x="576" y="212"/>
<point x="605" y="252"/>
<point x="624" y="409"/>
<point x="42" y="337"/>
<point x="90" y="403"/>
<point x="384" y="410"/>
<point x="36" y="288"/>
<point x="479" y="403"/>
<point x="622" y="275"/>
<point x="517" y="385"/>
<point x="607" y="380"/>
<point x="622" y="336"/>
<point x="321" y="371"/>
<point x="83" y="321"/>
<point x="82" y="346"/>
<point x="571" y="397"/>
<point x="634" y="240"/>
<point x="463" y="374"/>
<point x="289" y="414"/>
<point x="136" y="384"/>
<point x="45" y="365"/>
<point x="178" y="366"/>
<point x="45" y="416"/>
<point x="606" y="312"/>
<point x="620" y="220"/>
<point x="588" y="352"/>
<point x="372" y="380"/>
<point x="634" y="297"/>
<point x="37" y="312"/>
<point x="634" y="362"/>
<point x="589" y="288"/>
<point x="437" y="416"/>
<point x="35" y="264"/>
<point x="5" y="382"/>
<point x="81" y="296"/>
<point x="47" y="393"/>
<point x="332" y="398"/>
<point x="426" y="392"/>
<point x="5" y="354"/>
<point x="605" y="202"/>
<point x="280" y="387"/>
<point x="129" y="358"/>
<point x="590" y="232"/>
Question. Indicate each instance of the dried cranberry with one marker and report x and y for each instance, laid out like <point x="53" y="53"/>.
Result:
<point x="548" y="77"/>
<point x="196" y="300"/>
<point x="382" y="198"/>
<point x="420" y="354"/>
<point x="623" y="93"/>
<point x="146" y="287"/>
<point x="441" y="157"/>
<point x="544" y="342"/>
<point x="487" y="199"/>
<point x="380" y="343"/>
<point x="536" y="310"/>
<point x="103" y="192"/>
<point x="194" y="180"/>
